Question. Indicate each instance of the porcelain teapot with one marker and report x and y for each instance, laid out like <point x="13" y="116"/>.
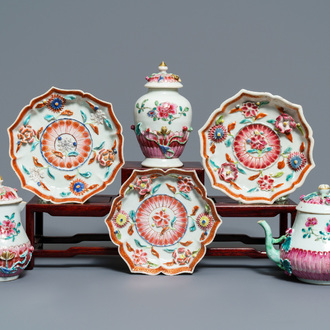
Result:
<point x="15" y="247"/>
<point x="162" y="120"/>
<point x="305" y="249"/>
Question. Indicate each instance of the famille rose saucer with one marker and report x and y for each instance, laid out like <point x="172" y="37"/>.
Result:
<point x="162" y="221"/>
<point x="257" y="147"/>
<point x="66" y="146"/>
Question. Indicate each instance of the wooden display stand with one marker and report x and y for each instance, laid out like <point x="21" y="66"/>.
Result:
<point x="99" y="206"/>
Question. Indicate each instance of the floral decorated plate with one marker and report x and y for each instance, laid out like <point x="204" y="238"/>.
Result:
<point x="162" y="221"/>
<point x="66" y="145"/>
<point x="257" y="147"/>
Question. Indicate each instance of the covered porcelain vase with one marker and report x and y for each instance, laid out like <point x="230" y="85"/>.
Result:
<point x="305" y="249"/>
<point x="15" y="247"/>
<point x="162" y="120"/>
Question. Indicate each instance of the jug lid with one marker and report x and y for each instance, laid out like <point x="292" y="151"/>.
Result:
<point x="8" y="195"/>
<point x="316" y="202"/>
<point x="162" y="79"/>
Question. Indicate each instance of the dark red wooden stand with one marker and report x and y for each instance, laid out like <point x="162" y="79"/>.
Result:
<point x="99" y="206"/>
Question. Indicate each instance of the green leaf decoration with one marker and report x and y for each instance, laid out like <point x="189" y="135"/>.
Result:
<point x="228" y="142"/>
<point x="138" y="129"/>
<point x="245" y="121"/>
<point x="107" y="173"/>
<point x="50" y="174"/>
<point x="151" y="264"/>
<point x="240" y="170"/>
<point x="173" y="221"/>
<point x="289" y="177"/>
<point x="300" y="129"/>
<point x="138" y="244"/>
<point x="263" y="103"/>
<point x="118" y="234"/>
<point x="157" y="103"/>
<point x="49" y="117"/>
<point x="185" y="195"/>
<point x="186" y="109"/>
<point x="278" y="174"/>
<point x="169" y="250"/>
<point x="25" y="170"/>
<point x="83" y="115"/>
<point x="86" y="175"/>
<point x="271" y="121"/>
<point x="214" y="164"/>
<point x="219" y="120"/>
<point x="73" y="154"/>
<point x="253" y="189"/>
<point x="34" y="145"/>
<point x="70" y="97"/>
<point x="100" y="146"/>
<point x="107" y="123"/>
<point x="266" y="150"/>
<point x="132" y="215"/>
<point x="193" y="227"/>
<point x="207" y="208"/>
<point x="287" y="150"/>
<point x="155" y="189"/>
<point x="252" y="151"/>
<point x="64" y="194"/>
<point x="12" y="216"/>
<point x="26" y="119"/>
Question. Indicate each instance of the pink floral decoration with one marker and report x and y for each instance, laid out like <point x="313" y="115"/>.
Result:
<point x="142" y="185"/>
<point x="7" y="228"/>
<point x="311" y="222"/>
<point x="285" y="123"/>
<point x="258" y="142"/>
<point x="249" y="109"/>
<point x="26" y="134"/>
<point x="161" y="219"/>
<point x="266" y="182"/>
<point x="182" y="256"/>
<point x="185" y="184"/>
<point x="165" y="109"/>
<point x="327" y="228"/>
<point x="289" y="231"/>
<point x="228" y="172"/>
<point x="139" y="257"/>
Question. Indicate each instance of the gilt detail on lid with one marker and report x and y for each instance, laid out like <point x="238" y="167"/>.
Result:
<point x="163" y="79"/>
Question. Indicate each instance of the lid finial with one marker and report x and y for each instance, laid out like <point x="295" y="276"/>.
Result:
<point x="162" y="67"/>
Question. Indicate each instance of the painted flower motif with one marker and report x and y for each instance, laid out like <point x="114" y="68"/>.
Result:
<point x="7" y="228"/>
<point x="106" y="157"/>
<point x="266" y="182"/>
<point x="296" y="160"/>
<point x="166" y="109"/>
<point x="218" y="133"/>
<point x="311" y="222"/>
<point x="204" y="221"/>
<point x="78" y="187"/>
<point x="120" y="220"/>
<point x="151" y="113"/>
<point x="228" y="172"/>
<point x="98" y="117"/>
<point x="285" y="123"/>
<point x="258" y="141"/>
<point x="36" y="174"/>
<point x="139" y="257"/>
<point x="142" y="185"/>
<point x="327" y="228"/>
<point x="249" y="109"/>
<point x="289" y="231"/>
<point x="185" y="184"/>
<point x="26" y="134"/>
<point x="56" y="103"/>
<point x="182" y="256"/>
<point x="161" y="218"/>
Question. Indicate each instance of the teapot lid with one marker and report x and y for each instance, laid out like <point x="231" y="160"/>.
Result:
<point x="316" y="202"/>
<point x="162" y="79"/>
<point x="8" y="195"/>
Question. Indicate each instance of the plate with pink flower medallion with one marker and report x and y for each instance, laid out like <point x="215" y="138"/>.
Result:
<point x="66" y="146"/>
<point x="162" y="221"/>
<point x="257" y="147"/>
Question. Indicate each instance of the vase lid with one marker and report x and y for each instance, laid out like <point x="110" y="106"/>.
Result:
<point x="8" y="195"/>
<point x="163" y="79"/>
<point x="316" y="202"/>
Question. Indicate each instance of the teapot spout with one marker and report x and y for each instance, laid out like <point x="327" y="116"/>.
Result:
<point x="22" y="206"/>
<point x="272" y="253"/>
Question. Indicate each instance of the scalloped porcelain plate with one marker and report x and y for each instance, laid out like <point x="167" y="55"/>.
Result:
<point x="162" y="221"/>
<point x="257" y="147"/>
<point x="66" y="146"/>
